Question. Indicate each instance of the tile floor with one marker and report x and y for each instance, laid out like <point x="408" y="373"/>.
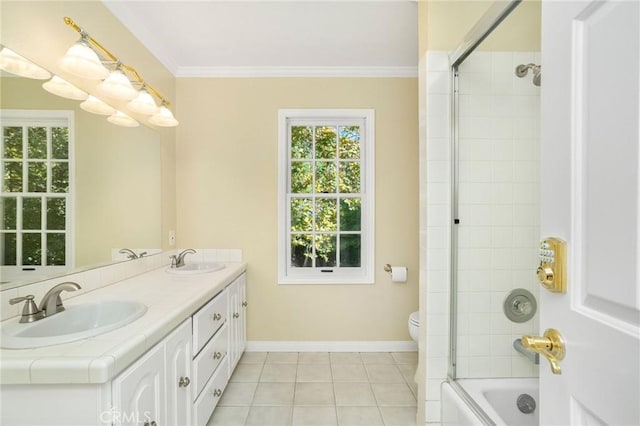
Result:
<point x="320" y="389"/>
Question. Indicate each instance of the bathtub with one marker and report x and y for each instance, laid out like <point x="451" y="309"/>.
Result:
<point x="475" y="402"/>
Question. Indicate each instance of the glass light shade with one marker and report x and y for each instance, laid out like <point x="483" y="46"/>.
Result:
<point x="122" y="119"/>
<point x="96" y="106"/>
<point x="163" y="118"/>
<point x="63" y="88"/>
<point x="80" y="60"/>
<point x="143" y="103"/>
<point x="11" y="62"/>
<point x="117" y="86"/>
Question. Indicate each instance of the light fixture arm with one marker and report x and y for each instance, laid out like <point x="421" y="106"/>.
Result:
<point x="112" y="58"/>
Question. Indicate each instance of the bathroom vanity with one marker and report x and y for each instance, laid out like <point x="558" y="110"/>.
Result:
<point x="168" y="367"/>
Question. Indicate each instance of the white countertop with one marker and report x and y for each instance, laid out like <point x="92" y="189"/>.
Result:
<point x="170" y="300"/>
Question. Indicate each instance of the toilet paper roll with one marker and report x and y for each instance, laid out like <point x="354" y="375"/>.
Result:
<point x="399" y="274"/>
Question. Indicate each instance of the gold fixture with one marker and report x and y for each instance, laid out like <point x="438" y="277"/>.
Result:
<point x="551" y="346"/>
<point x="552" y="269"/>
<point x="89" y="59"/>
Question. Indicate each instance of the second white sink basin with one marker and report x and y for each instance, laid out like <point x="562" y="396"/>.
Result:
<point x="76" y="322"/>
<point x="196" y="268"/>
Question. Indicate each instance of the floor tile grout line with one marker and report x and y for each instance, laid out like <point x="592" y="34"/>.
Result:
<point x="406" y="382"/>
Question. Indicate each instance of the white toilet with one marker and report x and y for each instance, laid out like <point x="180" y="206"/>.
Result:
<point x="414" y="325"/>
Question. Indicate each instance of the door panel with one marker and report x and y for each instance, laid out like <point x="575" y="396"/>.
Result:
<point x="590" y="196"/>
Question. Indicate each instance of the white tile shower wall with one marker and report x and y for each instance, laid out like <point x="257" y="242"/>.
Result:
<point x="498" y="209"/>
<point x="103" y="276"/>
<point x="500" y="145"/>
<point x="434" y="258"/>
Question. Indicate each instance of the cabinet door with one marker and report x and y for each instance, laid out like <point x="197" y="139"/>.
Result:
<point x="234" y="319"/>
<point x="237" y="321"/>
<point x="139" y="391"/>
<point x="177" y="350"/>
<point x="242" y="341"/>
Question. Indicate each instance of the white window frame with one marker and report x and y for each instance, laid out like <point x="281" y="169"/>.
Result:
<point x="365" y="273"/>
<point x="45" y="118"/>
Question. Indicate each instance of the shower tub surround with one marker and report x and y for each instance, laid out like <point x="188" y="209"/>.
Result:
<point x="87" y="367"/>
<point x="499" y="189"/>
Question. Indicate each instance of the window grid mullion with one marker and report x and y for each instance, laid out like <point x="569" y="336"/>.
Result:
<point x="313" y="199"/>
<point x="25" y="163"/>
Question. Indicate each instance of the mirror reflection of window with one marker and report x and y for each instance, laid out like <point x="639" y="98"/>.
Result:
<point x="36" y="191"/>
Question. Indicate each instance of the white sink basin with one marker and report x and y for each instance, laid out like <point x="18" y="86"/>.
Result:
<point x="196" y="268"/>
<point x="76" y="322"/>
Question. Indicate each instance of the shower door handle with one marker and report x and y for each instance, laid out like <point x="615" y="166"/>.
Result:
<point x="551" y="346"/>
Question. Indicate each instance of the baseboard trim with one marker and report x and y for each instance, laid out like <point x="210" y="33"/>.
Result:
<point x="339" y="346"/>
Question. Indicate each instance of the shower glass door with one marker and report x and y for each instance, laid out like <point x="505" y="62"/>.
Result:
<point x="496" y="198"/>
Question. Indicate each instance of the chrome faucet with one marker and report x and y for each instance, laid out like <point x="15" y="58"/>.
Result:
<point x="178" y="260"/>
<point x="130" y="253"/>
<point x="51" y="302"/>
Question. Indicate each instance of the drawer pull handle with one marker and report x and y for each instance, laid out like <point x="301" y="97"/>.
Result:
<point x="216" y="317"/>
<point x="244" y="303"/>
<point x="217" y="355"/>
<point x="236" y="315"/>
<point x="217" y="393"/>
<point x="184" y="382"/>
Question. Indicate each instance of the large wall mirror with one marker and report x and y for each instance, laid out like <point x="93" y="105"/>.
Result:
<point x="116" y="175"/>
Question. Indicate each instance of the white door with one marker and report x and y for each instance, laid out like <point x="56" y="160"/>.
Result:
<point x="590" y="196"/>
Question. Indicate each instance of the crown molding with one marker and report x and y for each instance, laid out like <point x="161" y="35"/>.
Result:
<point x="275" y="72"/>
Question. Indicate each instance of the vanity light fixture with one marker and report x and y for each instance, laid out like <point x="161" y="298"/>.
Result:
<point x="16" y="64"/>
<point x="96" y="106"/>
<point x="81" y="61"/>
<point x="117" y="86"/>
<point x="121" y="82"/>
<point x="61" y="87"/>
<point x="122" y="119"/>
<point x="143" y="103"/>
<point x="163" y="118"/>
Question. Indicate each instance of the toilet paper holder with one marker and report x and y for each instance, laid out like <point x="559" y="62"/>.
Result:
<point x="387" y="268"/>
<point x="398" y="273"/>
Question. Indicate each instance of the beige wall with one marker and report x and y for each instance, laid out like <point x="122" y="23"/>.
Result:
<point x="444" y="23"/>
<point x="227" y="169"/>
<point x="37" y="31"/>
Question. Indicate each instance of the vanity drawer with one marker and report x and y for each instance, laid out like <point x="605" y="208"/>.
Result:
<point x="208" y="320"/>
<point x="210" y="396"/>
<point x="208" y="359"/>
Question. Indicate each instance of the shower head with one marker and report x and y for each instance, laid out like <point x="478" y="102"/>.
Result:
<point x="522" y="70"/>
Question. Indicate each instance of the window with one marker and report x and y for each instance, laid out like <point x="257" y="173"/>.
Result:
<point x="326" y="191"/>
<point x="36" y="170"/>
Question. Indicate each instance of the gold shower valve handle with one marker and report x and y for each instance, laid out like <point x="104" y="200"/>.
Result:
<point x="551" y="346"/>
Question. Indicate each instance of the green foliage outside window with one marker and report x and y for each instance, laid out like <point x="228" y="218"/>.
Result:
<point x="45" y="152"/>
<point x="325" y="206"/>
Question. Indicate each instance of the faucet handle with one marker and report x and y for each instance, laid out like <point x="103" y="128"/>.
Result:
<point x="30" y="312"/>
<point x="15" y="300"/>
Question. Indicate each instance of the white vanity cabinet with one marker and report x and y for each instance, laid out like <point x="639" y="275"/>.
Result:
<point x="177" y="381"/>
<point x="237" y="320"/>
<point x="138" y="393"/>
<point x="156" y="387"/>
<point x="177" y="355"/>
<point x="219" y="340"/>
